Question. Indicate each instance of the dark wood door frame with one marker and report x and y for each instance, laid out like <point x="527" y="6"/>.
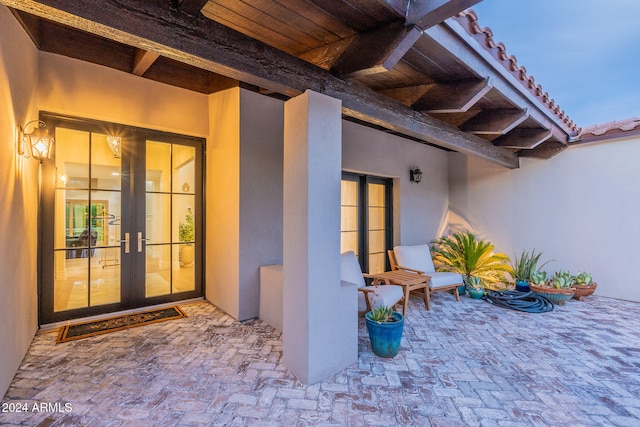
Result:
<point x="132" y="171"/>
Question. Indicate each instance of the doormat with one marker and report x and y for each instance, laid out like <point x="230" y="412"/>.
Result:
<point x="89" y="329"/>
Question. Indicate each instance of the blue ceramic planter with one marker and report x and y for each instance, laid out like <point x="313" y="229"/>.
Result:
<point x="522" y="286"/>
<point x="476" y="293"/>
<point x="385" y="337"/>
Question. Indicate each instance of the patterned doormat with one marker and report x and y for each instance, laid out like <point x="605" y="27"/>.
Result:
<point x="89" y="329"/>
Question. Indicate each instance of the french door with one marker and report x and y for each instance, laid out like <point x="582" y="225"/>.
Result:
<point x="366" y="219"/>
<point x="121" y="219"/>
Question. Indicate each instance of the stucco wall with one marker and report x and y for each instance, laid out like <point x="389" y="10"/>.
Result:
<point x="18" y="192"/>
<point x="244" y="197"/>
<point x="78" y="88"/>
<point x="580" y="208"/>
<point x="223" y="201"/>
<point x="261" y="163"/>
<point x="419" y="209"/>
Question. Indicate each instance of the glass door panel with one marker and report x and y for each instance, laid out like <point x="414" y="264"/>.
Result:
<point x="86" y="222"/>
<point x="366" y="225"/>
<point x="121" y="210"/>
<point x="349" y="218"/>
<point x="169" y="219"/>
<point x="377" y="229"/>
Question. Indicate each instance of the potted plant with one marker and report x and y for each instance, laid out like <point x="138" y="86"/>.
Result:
<point x="538" y="278"/>
<point x="385" y="330"/>
<point x="186" y="234"/>
<point x="558" y="289"/>
<point x="584" y="286"/>
<point x="524" y="267"/>
<point x="462" y="253"/>
<point x="475" y="286"/>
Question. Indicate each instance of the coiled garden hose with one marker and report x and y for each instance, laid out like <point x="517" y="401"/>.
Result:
<point x="529" y="302"/>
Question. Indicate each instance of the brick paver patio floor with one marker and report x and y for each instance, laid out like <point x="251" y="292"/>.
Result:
<point x="466" y="363"/>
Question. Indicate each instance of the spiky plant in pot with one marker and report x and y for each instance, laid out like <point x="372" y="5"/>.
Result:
<point x="462" y="253"/>
<point x="524" y="267"/>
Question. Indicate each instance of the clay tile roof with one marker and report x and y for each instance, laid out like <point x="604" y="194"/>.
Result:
<point x="469" y="21"/>
<point x="610" y="130"/>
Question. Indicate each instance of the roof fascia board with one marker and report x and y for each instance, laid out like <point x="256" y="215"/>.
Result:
<point x="484" y="64"/>
<point x="154" y="26"/>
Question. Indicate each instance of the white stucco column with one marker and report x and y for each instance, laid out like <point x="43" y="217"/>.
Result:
<point x="320" y="315"/>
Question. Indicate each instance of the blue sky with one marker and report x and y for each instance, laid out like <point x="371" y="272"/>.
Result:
<point x="585" y="53"/>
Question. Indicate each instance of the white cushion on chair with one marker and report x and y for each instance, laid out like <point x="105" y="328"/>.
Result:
<point x="350" y="269"/>
<point x="384" y="295"/>
<point x="417" y="257"/>
<point x="444" y="279"/>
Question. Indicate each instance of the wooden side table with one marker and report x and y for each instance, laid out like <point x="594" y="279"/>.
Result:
<point x="410" y="282"/>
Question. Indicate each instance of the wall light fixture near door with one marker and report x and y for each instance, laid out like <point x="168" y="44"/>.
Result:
<point x="37" y="143"/>
<point x="115" y="144"/>
<point x="415" y="175"/>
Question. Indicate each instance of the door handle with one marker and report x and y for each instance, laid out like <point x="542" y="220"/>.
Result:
<point x="140" y="240"/>
<point x="126" y="243"/>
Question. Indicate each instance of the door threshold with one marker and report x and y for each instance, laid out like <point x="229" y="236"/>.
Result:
<point x="53" y="326"/>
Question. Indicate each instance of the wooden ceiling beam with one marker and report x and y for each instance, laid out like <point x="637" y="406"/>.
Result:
<point x="495" y="122"/>
<point x="142" y="60"/>
<point x="376" y="51"/>
<point x="192" y="7"/>
<point x="407" y="95"/>
<point x="400" y="7"/>
<point x="371" y="52"/>
<point x="427" y="13"/>
<point x="523" y="138"/>
<point x="453" y="97"/>
<point x="380" y="49"/>
<point x="546" y="150"/>
<point x="150" y="25"/>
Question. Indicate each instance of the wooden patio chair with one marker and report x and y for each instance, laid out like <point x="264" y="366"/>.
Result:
<point x="417" y="259"/>
<point x="369" y="297"/>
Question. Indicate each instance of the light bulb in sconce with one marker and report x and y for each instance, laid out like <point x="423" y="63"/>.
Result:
<point x="37" y="143"/>
<point x="115" y="144"/>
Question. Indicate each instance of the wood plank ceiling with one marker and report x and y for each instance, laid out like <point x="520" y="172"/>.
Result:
<point x="394" y="63"/>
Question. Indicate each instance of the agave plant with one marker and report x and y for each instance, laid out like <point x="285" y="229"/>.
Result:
<point x="474" y="282"/>
<point x="526" y="264"/>
<point x="583" y="279"/>
<point x="538" y="278"/>
<point x="562" y="280"/>
<point x="382" y="314"/>
<point x="462" y="253"/>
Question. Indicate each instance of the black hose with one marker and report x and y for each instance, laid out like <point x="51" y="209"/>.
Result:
<point x="529" y="302"/>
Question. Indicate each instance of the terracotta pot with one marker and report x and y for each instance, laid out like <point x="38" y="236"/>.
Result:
<point x="583" y="290"/>
<point x="557" y="296"/>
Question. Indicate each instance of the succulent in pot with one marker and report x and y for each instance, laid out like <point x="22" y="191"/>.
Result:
<point x="524" y="266"/>
<point x="558" y="289"/>
<point x="583" y="279"/>
<point x="584" y="286"/>
<point x="385" y="330"/>
<point x="538" y="278"/>
<point x="562" y="280"/>
<point x="475" y="286"/>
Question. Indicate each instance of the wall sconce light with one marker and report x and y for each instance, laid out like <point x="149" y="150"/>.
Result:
<point x="415" y="175"/>
<point x="37" y="143"/>
<point x="115" y="144"/>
